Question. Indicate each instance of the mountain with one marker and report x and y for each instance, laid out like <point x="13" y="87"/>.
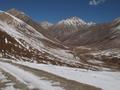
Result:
<point x="68" y="26"/>
<point x="46" y="25"/>
<point x="27" y="19"/>
<point x="103" y="36"/>
<point x="75" y="32"/>
<point x="19" y="40"/>
<point x="71" y="42"/>
<point x="75" y="22"/>
<point x="89" y="39"/>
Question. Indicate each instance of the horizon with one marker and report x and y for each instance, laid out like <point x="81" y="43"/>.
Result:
<point x="98" y="11"/>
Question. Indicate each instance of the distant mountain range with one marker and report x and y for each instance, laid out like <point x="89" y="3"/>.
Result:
<point x="71" y="42"/>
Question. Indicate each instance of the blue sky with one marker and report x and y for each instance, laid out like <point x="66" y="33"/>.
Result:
<point x="54" y="10"/>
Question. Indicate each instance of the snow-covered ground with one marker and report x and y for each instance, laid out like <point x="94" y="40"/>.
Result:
<point x="107" y="80"/>
<point x="28" y="78"/>
<point x="8" y="85"/>
<point x="64" y="55"/>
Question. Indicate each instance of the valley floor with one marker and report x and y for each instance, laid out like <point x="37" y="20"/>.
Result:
<point x="31" y="76"/>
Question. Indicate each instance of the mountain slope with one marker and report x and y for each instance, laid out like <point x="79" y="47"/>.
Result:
<point x="27" y="19"/>
<point x="102" y="36"/>
<point x="28" y="43"/>
<point x="22" y="16"/>
<point x="93" y="43"/>
<point x="65" y="28"/>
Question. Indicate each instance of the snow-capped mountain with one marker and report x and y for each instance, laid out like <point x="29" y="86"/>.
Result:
<point x="71" y="42"/>
<point x="64" y="28"/>
<point x="72" y="24"/>
<point x="100" y="35"/>
<point x="75" y="21"/>
<point x="19" y="40"/>
<point x="46" y="25"/>
<point x="117" y="21"/>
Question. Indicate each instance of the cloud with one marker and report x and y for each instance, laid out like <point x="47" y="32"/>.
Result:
<point x="96" y="2"/>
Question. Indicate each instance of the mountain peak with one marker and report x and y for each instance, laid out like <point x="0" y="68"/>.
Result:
<point x="72" y="20"/>
<point x="75" y="21"/>
<point x="46" y="24"/>
<point x="117" y="19"/>
<point x="15" y="12"/>
<point x="78" y="20"/>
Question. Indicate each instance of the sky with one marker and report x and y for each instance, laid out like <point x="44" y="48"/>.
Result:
<point x="98" y="11"/>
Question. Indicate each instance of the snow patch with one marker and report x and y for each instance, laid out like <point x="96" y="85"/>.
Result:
<point x="8" y="85"/>
<point x="32" y="81"/>
<point x="103" y="79"/>
<point x="95" y="61"/>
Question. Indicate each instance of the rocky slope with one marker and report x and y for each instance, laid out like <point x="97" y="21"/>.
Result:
<point x="19" y="40"/>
